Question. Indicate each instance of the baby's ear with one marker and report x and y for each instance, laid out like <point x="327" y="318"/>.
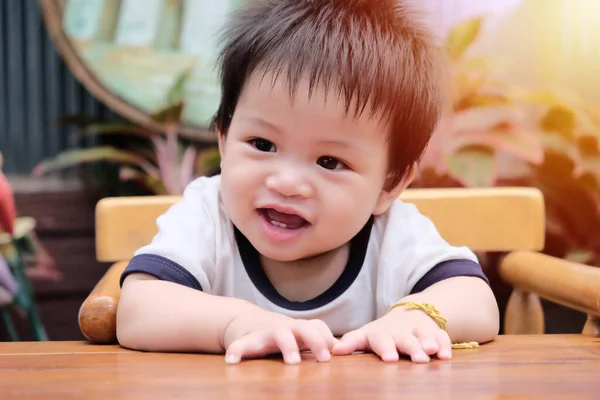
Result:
<point x="387" y="197"/>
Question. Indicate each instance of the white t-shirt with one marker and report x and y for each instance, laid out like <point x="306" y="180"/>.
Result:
<point x="396" y="253"/>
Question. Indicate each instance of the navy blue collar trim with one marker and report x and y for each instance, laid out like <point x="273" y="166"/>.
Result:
<point x="356" y="258"/>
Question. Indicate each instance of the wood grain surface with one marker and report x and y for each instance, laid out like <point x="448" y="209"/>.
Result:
<point x="515" y="367"/>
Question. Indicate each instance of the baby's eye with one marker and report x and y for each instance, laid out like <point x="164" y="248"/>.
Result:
<point x="330" y="163"/>
<point x="263" y="145"/>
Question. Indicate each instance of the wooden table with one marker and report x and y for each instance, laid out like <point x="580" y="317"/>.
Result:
<point x="516" y="367"/>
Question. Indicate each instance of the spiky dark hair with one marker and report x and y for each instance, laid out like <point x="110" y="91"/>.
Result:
<point x="374" y="53"/>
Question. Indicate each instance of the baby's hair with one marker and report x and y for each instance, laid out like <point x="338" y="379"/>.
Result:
<point x="374" y="53"/>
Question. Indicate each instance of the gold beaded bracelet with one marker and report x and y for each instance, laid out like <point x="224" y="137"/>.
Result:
<point x="434" y="313"/>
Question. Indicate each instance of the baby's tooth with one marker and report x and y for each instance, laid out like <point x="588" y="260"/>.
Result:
<point x="279" y="224"/>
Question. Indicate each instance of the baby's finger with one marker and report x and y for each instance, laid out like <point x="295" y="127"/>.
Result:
<point x="411" y="346"/>
<point x="312" y="338"/>
<point x="325" y="332"/>
<point x="286" y="341"/>
<point x="382" y="344"/>
<point x="252" y="345"/>
<point x="351" y="342"/>
<point x="429" y="340"/>
<point x="445" y="345"/>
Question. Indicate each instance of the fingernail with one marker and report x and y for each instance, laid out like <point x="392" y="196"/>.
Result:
<point x="324" y="355"/>
<point x="231" y="359"/>
<point x="294" y="358"/>
<point x="445" y="354"/>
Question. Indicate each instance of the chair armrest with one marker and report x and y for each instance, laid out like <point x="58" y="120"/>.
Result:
<point x="98" y="313"/>
<point x="570" y="284"/>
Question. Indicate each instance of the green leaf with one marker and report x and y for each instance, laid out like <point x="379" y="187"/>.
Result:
<point x="208" y="161"/>
<point x="462" y="36"/>
<point x="473" y="166"/>
<point x="176" y="93"/>
<point x="483" y="118"/>
<point x="476" y="64"/>
<point x="554" y="142"/>
<point x="154" y="185"/>
<point x="72" y="158"/>
<point x="580" y="256"/>
<point x="560" y="120"/>
<point x="508" y="138"/>
<point x="169" y="115"/>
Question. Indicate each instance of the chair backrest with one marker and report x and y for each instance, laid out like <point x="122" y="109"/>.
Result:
<point x="486" y="219"/>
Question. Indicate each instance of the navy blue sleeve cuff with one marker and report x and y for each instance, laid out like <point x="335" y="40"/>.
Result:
<point x="161" y="268"/>
<point x="449" y="269"/>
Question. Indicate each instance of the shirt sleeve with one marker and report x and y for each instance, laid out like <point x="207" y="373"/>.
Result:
<point x="415" y="256"/>
<point x="183" y="250"/>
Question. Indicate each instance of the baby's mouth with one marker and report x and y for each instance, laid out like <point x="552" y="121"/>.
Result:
<point x="283" y="220"/>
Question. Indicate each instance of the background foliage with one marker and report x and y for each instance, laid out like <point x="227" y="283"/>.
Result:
<point x="501" y="135"/>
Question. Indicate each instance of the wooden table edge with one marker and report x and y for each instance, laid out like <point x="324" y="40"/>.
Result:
<point x="83" y="347"/>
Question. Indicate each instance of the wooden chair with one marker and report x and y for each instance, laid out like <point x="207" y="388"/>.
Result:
<point x="507" y="220"/>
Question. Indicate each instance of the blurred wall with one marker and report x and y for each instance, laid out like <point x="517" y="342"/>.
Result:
<point x="35" y="89"/>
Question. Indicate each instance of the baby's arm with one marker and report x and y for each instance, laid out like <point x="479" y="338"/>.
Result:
<point x="468" y="304"/>
<point x="156" y="315"/>
<point x="160" y="307"/>
<point x="420" y="267"/>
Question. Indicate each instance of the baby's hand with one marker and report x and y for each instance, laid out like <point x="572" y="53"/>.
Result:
<point x="410" y="332"/>
<point x="261" y="333"/>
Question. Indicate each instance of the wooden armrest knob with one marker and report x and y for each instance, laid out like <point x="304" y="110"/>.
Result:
<point x="98" y="313"/>
<point x="570" y="284"/>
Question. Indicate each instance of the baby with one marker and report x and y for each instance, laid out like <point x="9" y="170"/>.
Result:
<point x="301" y="243"/>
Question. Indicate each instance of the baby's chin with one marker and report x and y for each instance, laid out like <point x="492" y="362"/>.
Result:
<point x="285" y="255"/>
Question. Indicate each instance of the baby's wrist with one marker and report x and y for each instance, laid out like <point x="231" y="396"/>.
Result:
<point x="243" y="322"/>
<point x="426" y="309"/>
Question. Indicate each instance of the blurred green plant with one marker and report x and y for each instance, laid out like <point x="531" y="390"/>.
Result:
<point x="569" y="175"/>
<point x="484" y="126"/>
<point x="128" y="159"/>
<point x="498" y="134"/>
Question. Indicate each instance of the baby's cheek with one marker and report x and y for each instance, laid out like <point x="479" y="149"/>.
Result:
<point x="349" y="209"/>
<point x="235" y="176"/>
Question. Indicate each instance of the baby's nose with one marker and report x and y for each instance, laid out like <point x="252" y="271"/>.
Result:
<point x="289" y="183"/>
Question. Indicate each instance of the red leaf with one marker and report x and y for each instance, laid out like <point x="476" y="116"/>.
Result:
<point x="507" y="138"/>
<point x="8" y="212"/>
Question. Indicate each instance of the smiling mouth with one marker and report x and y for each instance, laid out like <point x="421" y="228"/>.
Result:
<point x="283" y="220"/>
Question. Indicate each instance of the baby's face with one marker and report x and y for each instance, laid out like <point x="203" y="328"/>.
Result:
<point x="300" y="178"/>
